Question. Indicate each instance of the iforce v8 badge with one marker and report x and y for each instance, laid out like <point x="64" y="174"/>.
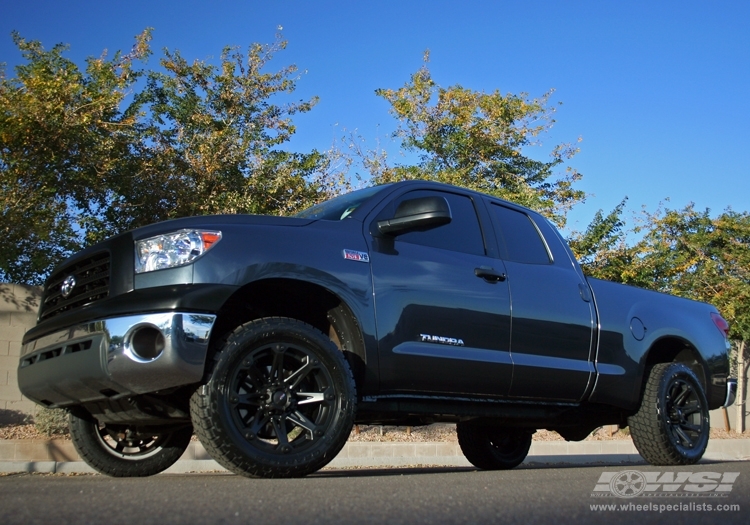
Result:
<point x="354" y="255"/>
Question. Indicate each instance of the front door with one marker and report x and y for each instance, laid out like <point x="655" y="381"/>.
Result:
<point x="443" y="320"/>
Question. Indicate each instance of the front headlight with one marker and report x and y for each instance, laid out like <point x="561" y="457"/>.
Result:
<point x="173" y="249"/>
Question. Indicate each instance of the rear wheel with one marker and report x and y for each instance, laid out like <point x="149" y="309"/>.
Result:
<point x="280" y="401"/>
<point x="491" y="447"/>
<point x="672" y="425"/>
<point x="122" y="451"/>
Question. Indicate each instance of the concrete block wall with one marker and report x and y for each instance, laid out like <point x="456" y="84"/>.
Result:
<point x="18" y="307"/>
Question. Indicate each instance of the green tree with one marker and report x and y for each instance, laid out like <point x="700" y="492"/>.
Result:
<point x="602" y="250"/>
<point x="211" y="142"/>
<point x="61" y="133"/>
<point x="688" y="253"/>
<point x="479" y="140"/>
<point x="85" y="154"/>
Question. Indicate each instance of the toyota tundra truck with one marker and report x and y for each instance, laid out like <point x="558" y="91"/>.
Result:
<point x="400" y="304"/>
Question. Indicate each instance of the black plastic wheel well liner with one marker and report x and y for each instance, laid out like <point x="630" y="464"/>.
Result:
<point x="296" y="299"/>
<point x="674" y="350"/>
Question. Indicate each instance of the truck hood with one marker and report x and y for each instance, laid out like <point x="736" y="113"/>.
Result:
<point x="215" y="222"/>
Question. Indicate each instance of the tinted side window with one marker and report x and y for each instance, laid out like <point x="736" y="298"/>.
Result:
<point x="521" y="237"/>
<point x="462" y="234"/>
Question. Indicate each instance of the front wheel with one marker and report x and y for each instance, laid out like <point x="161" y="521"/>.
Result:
<point x="279" y="403"/>
<point x="122" y="451"/>
<point x="672" y="426"/>
<point x="491" y="447"/>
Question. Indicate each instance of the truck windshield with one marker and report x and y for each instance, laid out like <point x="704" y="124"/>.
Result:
<point x="339" y="208"/>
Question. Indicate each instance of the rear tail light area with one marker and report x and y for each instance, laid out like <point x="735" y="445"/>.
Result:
<point x="721" y="324"/>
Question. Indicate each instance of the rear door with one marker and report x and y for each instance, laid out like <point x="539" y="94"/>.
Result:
<point x="443" y="321"/>
<point x="552" y="317"/>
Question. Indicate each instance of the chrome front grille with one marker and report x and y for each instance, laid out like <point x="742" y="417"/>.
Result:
<point x="91" y="284"/>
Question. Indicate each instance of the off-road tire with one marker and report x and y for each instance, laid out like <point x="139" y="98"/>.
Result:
<point x="491" y="447"/>
<point x="279" y="403"/>
<point x="672" y="425"/>
<point x="107" y="450"/>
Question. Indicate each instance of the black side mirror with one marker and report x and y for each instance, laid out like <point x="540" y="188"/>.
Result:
<point x="418" y="214"/>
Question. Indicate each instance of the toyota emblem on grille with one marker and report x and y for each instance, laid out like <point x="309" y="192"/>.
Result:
<point x="67" y="286"/>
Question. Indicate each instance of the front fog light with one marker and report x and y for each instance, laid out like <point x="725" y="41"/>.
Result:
<point x="147" y="343"/>
<point x="173" y="249"/>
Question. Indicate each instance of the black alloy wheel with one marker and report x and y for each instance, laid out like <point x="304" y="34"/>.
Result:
<point x="493" y="447"/>
<point x="684" y="410"/>
<point x="672" y="425"/>
<point x="280" y="401"/>
<point x="123" y="451"/>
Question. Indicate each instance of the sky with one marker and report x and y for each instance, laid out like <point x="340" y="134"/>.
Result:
<point x="656" y="90"/>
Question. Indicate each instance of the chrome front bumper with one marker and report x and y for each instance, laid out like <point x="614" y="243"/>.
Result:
<point x="106" y="358"/>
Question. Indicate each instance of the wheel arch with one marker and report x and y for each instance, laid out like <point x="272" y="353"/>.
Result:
<point x="673" y="349"/>
<point x="298" y="299"/>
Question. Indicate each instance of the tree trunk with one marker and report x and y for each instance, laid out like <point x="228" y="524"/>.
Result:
<point x="741" y="381"/>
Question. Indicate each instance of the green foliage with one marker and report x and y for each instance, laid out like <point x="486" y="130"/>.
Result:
<point x="51" y="421"/>
<point x="62" y="137"/>
<point x="689" y="253"/>
<point x="601" y="248"/>
<point x="211" y="137"/>
<point x="85" y="155"/>
<point x="478" y="140"/>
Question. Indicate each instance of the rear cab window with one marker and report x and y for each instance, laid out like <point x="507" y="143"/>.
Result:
<point x="519" y="237"/>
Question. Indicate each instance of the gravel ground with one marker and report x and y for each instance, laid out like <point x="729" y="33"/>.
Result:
<point x="438" y="432"/>
<point x="447" y="432"/>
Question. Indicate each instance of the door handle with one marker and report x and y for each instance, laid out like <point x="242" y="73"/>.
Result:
<point x="489" y="274"/>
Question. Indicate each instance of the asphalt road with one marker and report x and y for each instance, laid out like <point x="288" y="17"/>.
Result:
<point x="426" y="495"/>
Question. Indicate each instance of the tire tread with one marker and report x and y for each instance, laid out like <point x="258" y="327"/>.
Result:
<point x="91" y="452"/>
<point x="204" y="409"/>
<point x="649" y="434"/>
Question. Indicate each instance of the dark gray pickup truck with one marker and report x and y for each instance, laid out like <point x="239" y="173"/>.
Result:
<point x="401" y="304"/>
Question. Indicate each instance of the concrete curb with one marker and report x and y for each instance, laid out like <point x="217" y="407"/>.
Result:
<point x="58" y="456"/>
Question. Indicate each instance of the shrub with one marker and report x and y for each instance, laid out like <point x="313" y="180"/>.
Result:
<point x="51" y="421"/>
